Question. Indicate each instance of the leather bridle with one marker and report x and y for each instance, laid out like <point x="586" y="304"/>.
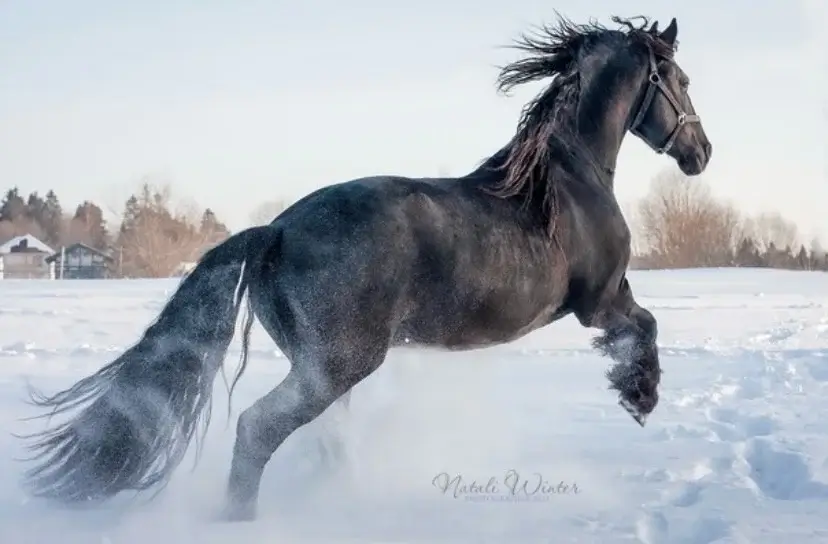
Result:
<point x="656" y="83"/>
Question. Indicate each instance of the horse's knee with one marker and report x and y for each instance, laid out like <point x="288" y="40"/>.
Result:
<point x="264" y="425"/>
<point x="647" y="323"/>
<point x="252" y="433"/>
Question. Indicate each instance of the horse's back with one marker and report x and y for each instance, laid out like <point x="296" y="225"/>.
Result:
<point x="379" y="211"/>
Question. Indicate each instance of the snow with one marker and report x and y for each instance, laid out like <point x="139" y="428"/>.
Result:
<point x="737" y="450"/>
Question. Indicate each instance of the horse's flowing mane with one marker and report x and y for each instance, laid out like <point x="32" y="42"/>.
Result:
<point x="545" y="130"/>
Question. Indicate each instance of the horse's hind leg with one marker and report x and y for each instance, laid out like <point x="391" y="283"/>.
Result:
<point x="308" y="390"/>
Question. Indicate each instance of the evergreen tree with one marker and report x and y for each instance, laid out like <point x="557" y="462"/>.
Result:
<point x="52" y="219"/>
<point x="747" y="254"/>
<point x="90" y="216"/>
<point x="787" y="259"/>
<point x="129" y="219"/>
<point x="12" y="207"/>
<point x="35" y="208"/>
<point x="803" y="260"/>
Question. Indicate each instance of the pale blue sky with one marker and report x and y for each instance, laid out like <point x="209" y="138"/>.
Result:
<point x="240" y="101"/>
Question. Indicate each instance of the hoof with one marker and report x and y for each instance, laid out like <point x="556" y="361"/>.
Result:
<point x="637" y="415"/>
<point x="637" y="388"/>
<point x="235" y="512"/>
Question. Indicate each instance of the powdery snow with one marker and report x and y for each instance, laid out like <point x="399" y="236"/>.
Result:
<point x="737" y="450"/>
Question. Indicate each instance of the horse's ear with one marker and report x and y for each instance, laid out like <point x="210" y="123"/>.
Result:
<point x="670" y="33"/>
<point x="654" y="29"/>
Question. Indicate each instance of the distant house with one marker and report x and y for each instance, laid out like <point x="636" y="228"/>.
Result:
<point x="24" y="257"/>
<point x="80" y="262"/>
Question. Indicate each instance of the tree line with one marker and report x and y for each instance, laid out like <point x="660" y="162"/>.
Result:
<point x="680" y="224"/>
<point x="152" y="239"/>
<point x="677" y="224"/>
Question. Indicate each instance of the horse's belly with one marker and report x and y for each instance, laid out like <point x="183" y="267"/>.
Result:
<point x="474" y="330"/>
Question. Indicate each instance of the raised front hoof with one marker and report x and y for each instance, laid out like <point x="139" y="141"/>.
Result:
<point x="639" y="416"/>
<point x="639" y="404"/>
<point x="238" y="512"/>
<point x="637" y="389"/>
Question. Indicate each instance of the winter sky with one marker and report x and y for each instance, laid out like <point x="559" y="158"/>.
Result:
<point x="236" y="102"/>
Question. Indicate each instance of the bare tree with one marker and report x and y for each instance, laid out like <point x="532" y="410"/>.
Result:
<point x="20" y="226"/>
<point x="772" y="228"/>
<point x="683" y="225"/>
<point x="160" y="246"/>
<point x="75" y="231"/>
<point x="266" y="212"/>
<point x="155" y="241"/>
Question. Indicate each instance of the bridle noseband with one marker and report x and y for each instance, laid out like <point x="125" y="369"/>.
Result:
<point x="655" y="82"/>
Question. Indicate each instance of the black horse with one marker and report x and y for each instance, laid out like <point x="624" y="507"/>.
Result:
<point x="531" y="235"/>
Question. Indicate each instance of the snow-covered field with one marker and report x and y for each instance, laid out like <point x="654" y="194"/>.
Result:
<point x="736" y="452"/>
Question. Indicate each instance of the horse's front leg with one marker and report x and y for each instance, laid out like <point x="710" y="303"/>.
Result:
<point x="629" y="338"/>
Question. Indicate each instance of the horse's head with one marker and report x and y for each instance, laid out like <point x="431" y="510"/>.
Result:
<point x="605" y="82"/>
<point x="664" y="116"/>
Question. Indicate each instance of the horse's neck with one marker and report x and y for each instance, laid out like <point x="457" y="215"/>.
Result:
<point x="601" y="120"/>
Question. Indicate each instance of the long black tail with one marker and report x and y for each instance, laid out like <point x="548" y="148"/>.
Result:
<point x="143" y="409"/>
